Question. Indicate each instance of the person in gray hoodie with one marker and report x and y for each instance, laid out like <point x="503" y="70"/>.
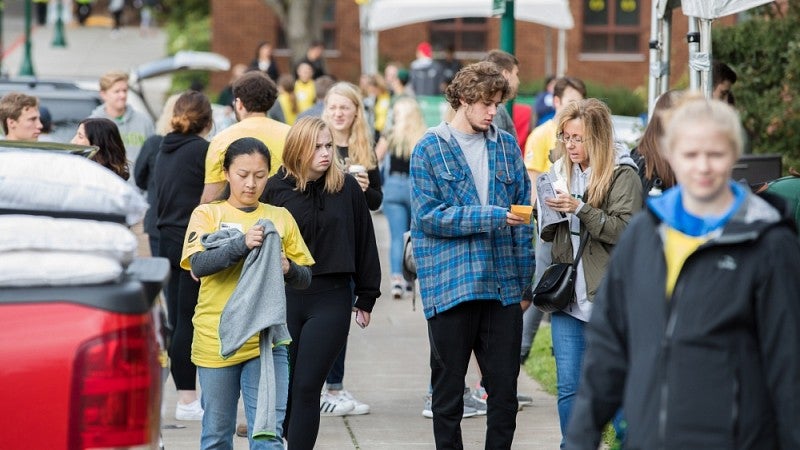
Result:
<point x="134" y="126"/>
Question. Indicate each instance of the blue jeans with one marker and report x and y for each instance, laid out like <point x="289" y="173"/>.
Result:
<point x="569" y="345"/>
<point x="220" y="396"/>
<point x="568" y="348"/>
<point x="397" y="208"/>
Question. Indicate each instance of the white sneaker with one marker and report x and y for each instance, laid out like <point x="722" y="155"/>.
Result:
<point x="191" y="411"/>
<point x="397" y="291"/>
<point x="359" y="408"/>
<point x="334" y="405"/>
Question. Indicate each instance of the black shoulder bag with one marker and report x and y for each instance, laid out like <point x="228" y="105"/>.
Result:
<point x="556" y="288"/>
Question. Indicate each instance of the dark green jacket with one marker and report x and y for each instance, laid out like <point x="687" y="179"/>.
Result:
<point x="605" y="226"/>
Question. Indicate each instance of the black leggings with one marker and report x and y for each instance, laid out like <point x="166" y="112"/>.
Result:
<point x="318" y="320"/>
<point x="181" y="293"/>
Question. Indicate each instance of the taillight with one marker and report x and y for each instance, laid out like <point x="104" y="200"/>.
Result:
<point x="115" y="396"/>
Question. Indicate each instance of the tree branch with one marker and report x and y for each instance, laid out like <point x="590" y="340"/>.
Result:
<point x="280" y="7"/>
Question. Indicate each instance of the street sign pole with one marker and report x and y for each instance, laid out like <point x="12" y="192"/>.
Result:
<point x="27" y="63"/>
<point x="58" y="33"/>
<point x="507" y="40"/>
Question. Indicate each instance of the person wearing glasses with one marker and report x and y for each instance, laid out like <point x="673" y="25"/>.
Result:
<point x="538" y="149"/>
<point x="604" y="191"/>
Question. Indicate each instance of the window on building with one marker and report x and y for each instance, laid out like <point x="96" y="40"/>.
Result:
<point x="468" y="34"/>
<point x="328" y="28"/>
<point x="612" y="26"/>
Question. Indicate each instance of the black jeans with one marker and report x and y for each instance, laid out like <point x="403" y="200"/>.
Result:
<point x="181" y="295"/>
<point x="493" y="332"/>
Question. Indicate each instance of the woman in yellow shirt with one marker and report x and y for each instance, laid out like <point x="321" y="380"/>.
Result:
<point x="246" y="167"/>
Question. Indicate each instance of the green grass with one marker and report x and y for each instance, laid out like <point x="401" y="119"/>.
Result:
<point x="541" y="366"/>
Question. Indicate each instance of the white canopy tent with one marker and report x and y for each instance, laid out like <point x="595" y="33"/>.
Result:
<point x="378" y="15"/>
<point x="700" y="14"/>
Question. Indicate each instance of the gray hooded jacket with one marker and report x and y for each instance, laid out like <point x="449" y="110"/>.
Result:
<point x="257" y="305"/>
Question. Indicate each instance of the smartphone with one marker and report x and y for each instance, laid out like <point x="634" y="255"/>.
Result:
<point x="360" y="319"/>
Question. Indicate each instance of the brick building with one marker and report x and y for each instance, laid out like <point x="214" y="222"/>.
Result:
<point x="608" y="45"/>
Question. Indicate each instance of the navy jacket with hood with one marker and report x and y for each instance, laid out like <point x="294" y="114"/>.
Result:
<point x="716" y="366"/>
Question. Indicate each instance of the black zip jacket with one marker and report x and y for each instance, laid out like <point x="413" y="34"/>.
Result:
<point x="717" y="366"/>
<point x="337" y="229"/>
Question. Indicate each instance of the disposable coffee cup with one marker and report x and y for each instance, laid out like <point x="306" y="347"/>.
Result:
<point x="356" y="169"/>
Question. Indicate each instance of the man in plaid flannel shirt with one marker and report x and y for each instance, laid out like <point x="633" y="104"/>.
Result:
<point x="474" y="257"/>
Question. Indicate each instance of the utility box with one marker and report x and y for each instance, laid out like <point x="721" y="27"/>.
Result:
<point x="756" y="169"/>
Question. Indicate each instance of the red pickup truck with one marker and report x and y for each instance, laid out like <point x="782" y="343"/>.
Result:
<point x="79" y="364"/>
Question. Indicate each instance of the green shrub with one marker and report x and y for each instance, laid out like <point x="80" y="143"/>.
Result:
<point x="621" y="100"/>
<point x="188" y="27"/>
<point x="541" y="366"/>
<point x="192" y="32"/>
<point x="765" y="53"/>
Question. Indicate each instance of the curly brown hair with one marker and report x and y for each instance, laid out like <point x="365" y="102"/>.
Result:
<point x="479" y="81"/>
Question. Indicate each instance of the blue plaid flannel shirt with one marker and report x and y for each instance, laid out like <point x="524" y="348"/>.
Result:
<point x="465" y="251"/>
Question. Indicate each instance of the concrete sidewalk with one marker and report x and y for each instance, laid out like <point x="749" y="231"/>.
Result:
<point x="387" y="363"/>
<point x="387" y="368"/>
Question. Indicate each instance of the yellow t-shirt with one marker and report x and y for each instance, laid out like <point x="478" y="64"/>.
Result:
<point x="306" y="95"/>
<point x="271" y="132"/>
<point x="285" y="100"/>
<point x="677" y="248"/>
<point x="216" y="289"/>
<point x="382" y="104"/>
<point x="537" y="148"/>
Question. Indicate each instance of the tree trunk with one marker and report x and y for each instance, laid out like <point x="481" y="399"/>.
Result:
<point x="302" y="23"/>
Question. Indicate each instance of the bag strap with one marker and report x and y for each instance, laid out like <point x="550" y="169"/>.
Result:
<point x="584" y="240"/>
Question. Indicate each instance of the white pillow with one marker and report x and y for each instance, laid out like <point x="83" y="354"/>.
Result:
<point x="37" y="268"/>
<point x="113" y="240"/>
<point x="46" y="181"/>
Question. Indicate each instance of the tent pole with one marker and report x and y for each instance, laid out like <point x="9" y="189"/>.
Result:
<point x="693" y="39"/>
<point x="666" y="36"/>
<point x="548" y="51"/>
<point x="561" y="62"/>
<point x="655" y="45"/>
<point x="369" y="42"/>
<point x="706" y="81"/>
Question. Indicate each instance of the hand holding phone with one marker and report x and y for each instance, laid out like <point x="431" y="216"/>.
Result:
<point x="362" y="318"/>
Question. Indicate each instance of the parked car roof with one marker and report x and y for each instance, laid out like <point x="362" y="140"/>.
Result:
<point x="70" y="101"/>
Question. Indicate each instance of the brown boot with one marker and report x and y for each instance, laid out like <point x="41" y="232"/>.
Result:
<point x="241" y="430"/>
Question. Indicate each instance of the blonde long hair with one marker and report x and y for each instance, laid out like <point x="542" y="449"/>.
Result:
<point x="409" y="126"/>
<point x="298" y="152"/>
<point x="598" y="136"/>
<point x="359" y="142"/>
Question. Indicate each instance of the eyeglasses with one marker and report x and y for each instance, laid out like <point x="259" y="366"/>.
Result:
<point x="575" y="139"/>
